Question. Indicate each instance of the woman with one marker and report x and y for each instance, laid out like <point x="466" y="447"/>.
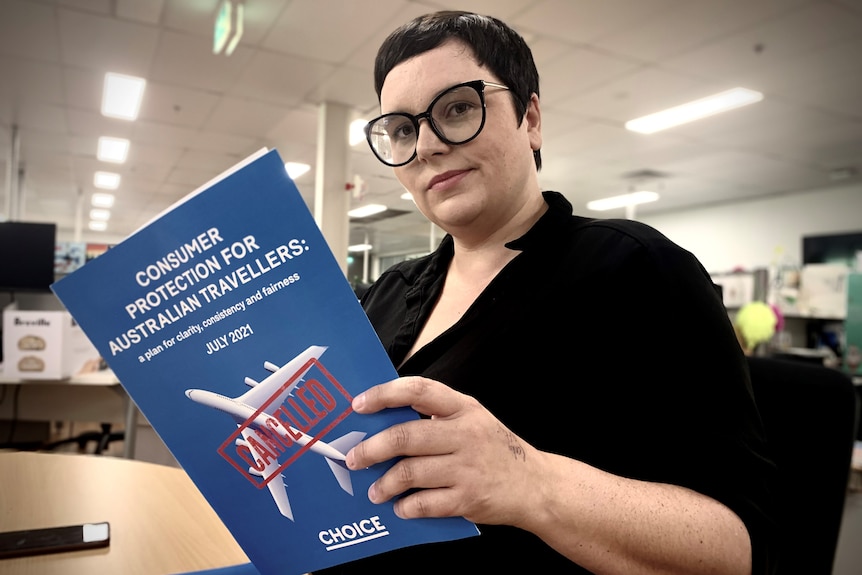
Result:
<point x="586" y="401"/>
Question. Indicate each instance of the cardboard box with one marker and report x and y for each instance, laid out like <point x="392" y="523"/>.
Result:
<point x="43" y="344"/>
<point x="823" y="290"/>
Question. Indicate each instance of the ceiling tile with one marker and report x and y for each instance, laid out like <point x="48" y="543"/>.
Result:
<point x="297" y="126"/>
<point x="325" y="30"/>
<point x="190" y="180"/>
<point x="206" y="161"/>
<point x="577" y="71"/>
<point x="176" y="137"/>
<point x="83" y="88"/>
<point x="147" y="11"/>
<point x="28" y="80"/>
<point x="188" y="61"/>
<point x="279" y="79"/>
<point x="94" y="124"/>
<point x="235" y="116"/>
<point x="641" y="92"/>
<point x="225" y="143"/>
<point x="177" y="106"/>
<point x="151" y="162"/>
<point x="401" y="12"/>
<point x="586" y="20"/>
<point x="350" y="86"/>
<point x="42" y="117"/>
<point x="687" y="25"/>
<point x="755" y="50"/>
<point x="94" y="6"/>
<point x="105" y="44"/>
<point x="28" y="30"/>
<point x="197" y="17"/>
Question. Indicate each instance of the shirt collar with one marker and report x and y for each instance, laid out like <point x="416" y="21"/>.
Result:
<point x="550" y="224"/>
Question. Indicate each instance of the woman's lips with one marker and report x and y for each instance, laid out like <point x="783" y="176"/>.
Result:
<point x="446" y="180"/>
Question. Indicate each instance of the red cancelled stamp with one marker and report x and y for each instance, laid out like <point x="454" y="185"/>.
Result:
<point x="280" y="432"/>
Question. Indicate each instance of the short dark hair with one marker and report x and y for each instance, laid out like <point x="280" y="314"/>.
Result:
<point x="493" y="42"/>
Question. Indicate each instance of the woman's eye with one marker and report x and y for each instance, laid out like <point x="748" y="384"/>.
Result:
<point x="459" y="109"/>
<point x="403" y="132"/>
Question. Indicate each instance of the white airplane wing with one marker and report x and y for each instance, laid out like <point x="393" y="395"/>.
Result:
<point x="277" y="487"/>
<point x="339" y="469"/>
<point x="262" y="392"/>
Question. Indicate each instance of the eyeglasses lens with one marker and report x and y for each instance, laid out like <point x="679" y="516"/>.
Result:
<point x="456" y="117"/>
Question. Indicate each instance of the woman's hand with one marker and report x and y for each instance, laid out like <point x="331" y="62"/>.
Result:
<point x="463" y="461"/>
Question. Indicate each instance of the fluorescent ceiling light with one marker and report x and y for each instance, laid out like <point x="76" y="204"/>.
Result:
<point x="98" y="226"/>
<point x="106" y="180"/>
<point x="622" y="201"/>
<point x="113" y="150"/>
<point x="407" y="196"/>
<point x="295" y="169"/>
<point x="367" y="210"/>
<point x="100" y="215"/>
<point x="709" y="106"/>
<point x="359" y="248"/>
<point x="357" y="131"/>
<point x="122" y="96"/>
<point x="100" y="200"/>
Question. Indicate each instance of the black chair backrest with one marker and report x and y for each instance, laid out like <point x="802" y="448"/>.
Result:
<point x="810" y="414"/>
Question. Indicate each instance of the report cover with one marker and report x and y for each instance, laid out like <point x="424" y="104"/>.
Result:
<point x="231" y="325"/>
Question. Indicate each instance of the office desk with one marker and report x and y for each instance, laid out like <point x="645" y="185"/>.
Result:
<point x="80" y="398"/>
<point x="160" y="523"/>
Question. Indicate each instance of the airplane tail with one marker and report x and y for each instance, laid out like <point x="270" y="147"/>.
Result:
<point x="344" y="444"/>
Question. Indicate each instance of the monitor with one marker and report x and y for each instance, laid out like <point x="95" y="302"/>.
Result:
<point x="27" y="256"/>
<point x="841" y="248"/>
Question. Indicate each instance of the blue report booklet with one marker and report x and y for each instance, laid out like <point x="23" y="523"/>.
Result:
<point x="231" y="325"/>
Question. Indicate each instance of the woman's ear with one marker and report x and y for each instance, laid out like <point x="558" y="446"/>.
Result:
<point x="533" y="119"/>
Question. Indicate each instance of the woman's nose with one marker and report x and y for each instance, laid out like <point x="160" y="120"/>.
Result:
<point x="428" y="142"/>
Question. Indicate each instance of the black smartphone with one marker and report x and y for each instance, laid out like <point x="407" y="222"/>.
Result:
<point x="54" y="539"/>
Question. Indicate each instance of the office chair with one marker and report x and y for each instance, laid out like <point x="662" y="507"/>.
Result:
<point x="101" y="439"/>
<point x="810" y="414"/>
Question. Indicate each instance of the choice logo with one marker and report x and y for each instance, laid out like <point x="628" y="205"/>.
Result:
<point x="354" y="533"/>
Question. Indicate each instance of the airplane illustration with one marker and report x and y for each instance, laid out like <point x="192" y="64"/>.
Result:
<point x="244" y="407"/>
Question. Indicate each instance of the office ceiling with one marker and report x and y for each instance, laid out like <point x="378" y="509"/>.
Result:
<point x="601" y="63"/>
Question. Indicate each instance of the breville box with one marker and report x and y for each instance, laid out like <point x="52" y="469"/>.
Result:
<point x="43" y="344"/>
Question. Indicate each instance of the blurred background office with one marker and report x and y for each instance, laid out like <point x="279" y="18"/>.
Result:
<point x="754" y="191"/>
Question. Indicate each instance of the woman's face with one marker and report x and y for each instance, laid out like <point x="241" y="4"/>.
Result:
<point x="470" y="189"/>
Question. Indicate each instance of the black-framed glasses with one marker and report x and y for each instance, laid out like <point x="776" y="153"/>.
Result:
<point x="456" y="116"/>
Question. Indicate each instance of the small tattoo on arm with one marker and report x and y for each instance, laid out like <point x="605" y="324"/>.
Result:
<point x="514" y="446"/>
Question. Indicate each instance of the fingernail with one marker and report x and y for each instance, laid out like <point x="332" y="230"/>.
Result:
<point x="348" y="460"/>
<point x="359" y="402"/>
<point x="372" y="493"/>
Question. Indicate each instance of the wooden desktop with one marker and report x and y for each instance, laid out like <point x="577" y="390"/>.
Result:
<point x="160" y="523"/>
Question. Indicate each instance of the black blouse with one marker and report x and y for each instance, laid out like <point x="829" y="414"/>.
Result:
<point x="602" y="341"/>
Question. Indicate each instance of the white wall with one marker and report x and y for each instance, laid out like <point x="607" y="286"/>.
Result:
<point x="751" y="234"/>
